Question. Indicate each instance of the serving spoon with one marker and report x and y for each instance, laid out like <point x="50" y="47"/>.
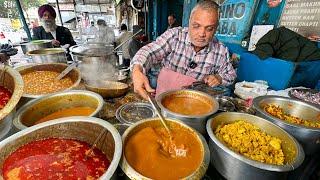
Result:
<point x="66" y="71"/>
<point x="158" y="112"/>
<point x="180" y="152"/>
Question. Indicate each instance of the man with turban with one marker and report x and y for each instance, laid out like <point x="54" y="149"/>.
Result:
<point x="60" y="35"/>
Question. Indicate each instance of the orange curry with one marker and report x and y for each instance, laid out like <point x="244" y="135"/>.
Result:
<point x="147" y="152"/>
<point x="187" y="105"/>
<point x="75" y="111"/>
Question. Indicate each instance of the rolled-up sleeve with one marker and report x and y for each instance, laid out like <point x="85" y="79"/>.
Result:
<point x="154" y="52"/>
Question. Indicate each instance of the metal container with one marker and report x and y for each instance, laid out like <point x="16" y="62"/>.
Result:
<point x="198" y="122"/>
<point x="74" y="74"/>
<point x="49" y="55"/>
<point x="235" y="166"/>
<point x="108" y="89"/>
<point x="95" y="60"/>
<point x="225" y="104"/>
<point x="85" y="129"/>
<point x="131" y="113"/>
<point x="36" y="109"/>
<point x="155" y="122"/>
<point x="35" y="45"/>
<point x="12" y="80"/>
<point x="308" y="137"/>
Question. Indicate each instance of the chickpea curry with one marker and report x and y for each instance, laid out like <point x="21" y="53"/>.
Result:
<point x="43" y="82"/>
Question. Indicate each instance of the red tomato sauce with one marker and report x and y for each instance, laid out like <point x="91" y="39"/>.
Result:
<point x="55" y="158"/>
<point x="5" y="96"/>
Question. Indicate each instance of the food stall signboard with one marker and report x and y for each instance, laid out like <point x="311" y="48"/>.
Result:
<point x="302" y="16"/>
<point x="235" y="20"/>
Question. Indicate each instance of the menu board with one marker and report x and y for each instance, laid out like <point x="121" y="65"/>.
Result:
<point x="302" y="16"/>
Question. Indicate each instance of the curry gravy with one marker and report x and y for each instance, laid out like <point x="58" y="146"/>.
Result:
<point x="186" y="105"/>
<point x="75" y="111"/>
<point x="146" y="149"/>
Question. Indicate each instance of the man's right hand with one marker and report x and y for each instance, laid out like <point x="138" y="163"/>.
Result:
<point x="140" y="82"/>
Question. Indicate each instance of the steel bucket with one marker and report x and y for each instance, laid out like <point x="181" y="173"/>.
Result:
<point x="95" y="60"/>
<point x="35" y="45"/>
<point x="48" y="55"/>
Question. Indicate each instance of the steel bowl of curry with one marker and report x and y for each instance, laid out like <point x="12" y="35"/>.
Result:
<point x="245" y="146"/>
<point x="11" y="90"/>
<point x="300" y="119"/>
<point x="190" y="106"/>
<point x="151" y="153"/>
<point x="62" y="150"/>
<point x="39" y="79"/>
<point x="58" y="105"/>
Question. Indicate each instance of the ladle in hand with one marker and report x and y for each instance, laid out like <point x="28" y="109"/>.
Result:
<point x="177" y="152"/>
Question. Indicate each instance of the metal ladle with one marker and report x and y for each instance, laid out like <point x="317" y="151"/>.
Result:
<point x="158" y="111"/>
<point x="66" y="71"/>
<point x="177" y="151"/>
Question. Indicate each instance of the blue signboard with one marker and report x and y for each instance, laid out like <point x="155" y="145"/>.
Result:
<point x="235" y="20"/>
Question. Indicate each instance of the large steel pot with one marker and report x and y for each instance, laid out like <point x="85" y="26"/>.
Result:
<point x="235" y="166"/>
<point x="12" y="80"/>
<point x="74" y="74"/>
<point x="308" y="137"/>
<point x="155" y="122"/>
<point x="35" y="45"/>
<point x="85" y="129"/>
<point x="95" y="60"/>
<point x="49" y="55"/>
<point x="198" y="122"/>
<point x="36" y="109"/>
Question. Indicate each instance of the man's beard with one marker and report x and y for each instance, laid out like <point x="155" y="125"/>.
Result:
<point x="49" y="25"/>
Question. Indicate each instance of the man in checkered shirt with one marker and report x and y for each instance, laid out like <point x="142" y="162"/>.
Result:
<point x="186" y="54"/>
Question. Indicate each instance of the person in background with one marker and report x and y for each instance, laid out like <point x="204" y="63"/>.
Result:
<point x="34" y="24"/>
<point x="136" y="42"/>
<point x="124" y="36"/>
<point x="61" y="36"/>
<point x="92" y="30"/>
<point x="105" y="34"/>
<point x="186" y="54"/>
<point x="172" y="21"/>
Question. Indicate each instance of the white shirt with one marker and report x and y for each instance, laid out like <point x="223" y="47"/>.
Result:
<point x="105" y="34"/>
<point x="125" y="47"/>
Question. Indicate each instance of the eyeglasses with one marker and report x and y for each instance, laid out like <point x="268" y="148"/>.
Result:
<point x="192" y="65"/>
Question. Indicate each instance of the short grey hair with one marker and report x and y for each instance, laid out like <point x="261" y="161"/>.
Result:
<point x="208" y="5"/>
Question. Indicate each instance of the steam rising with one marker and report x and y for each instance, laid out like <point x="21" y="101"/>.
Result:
<point x="96" y="70"/>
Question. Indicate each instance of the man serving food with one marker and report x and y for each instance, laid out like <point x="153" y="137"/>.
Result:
<point x="187" y="55"/>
